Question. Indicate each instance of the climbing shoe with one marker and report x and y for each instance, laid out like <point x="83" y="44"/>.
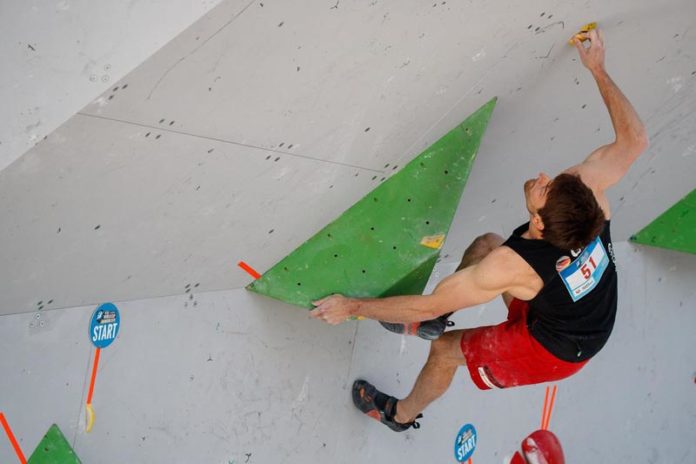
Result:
<point x="379" y="406"/>
<point x="429" y="330"/>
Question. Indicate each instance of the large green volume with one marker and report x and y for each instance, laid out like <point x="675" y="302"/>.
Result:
<point x="388" y="242"/>
<point x="675" y="229"/>
<point x="54" y="449"/>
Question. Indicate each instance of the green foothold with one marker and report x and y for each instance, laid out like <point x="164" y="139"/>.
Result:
<point x="387" y="243"/>
<point x="54" y="449"/>
<point x="675" y="229"/>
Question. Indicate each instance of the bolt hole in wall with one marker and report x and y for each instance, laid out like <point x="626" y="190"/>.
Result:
<point x="113" y="91"/>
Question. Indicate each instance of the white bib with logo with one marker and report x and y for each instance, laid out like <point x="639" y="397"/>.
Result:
<point x="584" y="273"/>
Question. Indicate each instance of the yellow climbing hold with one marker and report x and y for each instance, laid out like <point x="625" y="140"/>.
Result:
<point x="584" y="29"/>
<point x="90" y="418"/>
<point x="433" y="241"/>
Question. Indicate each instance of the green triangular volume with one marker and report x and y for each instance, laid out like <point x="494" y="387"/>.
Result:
<point x="54" y="449"/>
<point x="374" y="248"/>
<point x="675" y="229"/>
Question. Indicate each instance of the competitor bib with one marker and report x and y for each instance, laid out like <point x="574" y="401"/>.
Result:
<point x="583" y="274"/>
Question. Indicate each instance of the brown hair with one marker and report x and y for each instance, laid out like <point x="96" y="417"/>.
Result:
<point x="572" y="217"/>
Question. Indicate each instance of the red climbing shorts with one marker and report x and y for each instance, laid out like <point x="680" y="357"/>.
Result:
<point x="506" y="355"/>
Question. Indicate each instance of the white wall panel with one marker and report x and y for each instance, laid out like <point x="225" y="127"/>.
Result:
<point x="59" y="55"/>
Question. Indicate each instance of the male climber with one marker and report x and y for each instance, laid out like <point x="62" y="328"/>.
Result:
<point x="556" y="275"/>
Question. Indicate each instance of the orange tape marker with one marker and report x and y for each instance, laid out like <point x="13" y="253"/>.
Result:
<point x="12" y="439"/>
<point x="88" y="410"/>
<point x="543" y="412"/>
<point x="553" y="398"/>
<point x="249" y="269"/>
<point x="94" y="376"/>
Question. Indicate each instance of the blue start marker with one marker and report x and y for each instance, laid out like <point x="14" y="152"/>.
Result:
<point x="104" y="326"/>
<point x="465" y="444"/>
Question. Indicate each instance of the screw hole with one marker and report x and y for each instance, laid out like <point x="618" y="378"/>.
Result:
<point x="446" y="172"/>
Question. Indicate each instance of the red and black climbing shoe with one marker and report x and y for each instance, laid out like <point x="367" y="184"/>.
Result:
<point x="379" y="406"/>
<point x="429" y="330"/>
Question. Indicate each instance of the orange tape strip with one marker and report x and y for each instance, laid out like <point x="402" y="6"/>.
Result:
<point x="94" y="376"/>
<point x="13" y="440"/>
<point x="249" y="269"/>
<point x="548" y="417"/>
<point x="543" y="412"/>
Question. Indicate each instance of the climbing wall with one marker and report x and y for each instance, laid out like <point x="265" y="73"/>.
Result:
<point x="388" y="242"/>
<point x="255" y="128"/>
<point x="675" y="229"/>
<point x="57" y="56"/>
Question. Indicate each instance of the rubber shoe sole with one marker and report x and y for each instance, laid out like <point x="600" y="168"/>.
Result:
<point x="427" y="330"/>
<point x="364" y="393"/>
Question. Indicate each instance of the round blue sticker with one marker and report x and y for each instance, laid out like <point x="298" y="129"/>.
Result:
<point x="104" y="326"/>
<point x="465" y="444"/>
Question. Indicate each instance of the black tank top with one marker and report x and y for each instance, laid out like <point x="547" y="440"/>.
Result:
<point x="573" y="314"/>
